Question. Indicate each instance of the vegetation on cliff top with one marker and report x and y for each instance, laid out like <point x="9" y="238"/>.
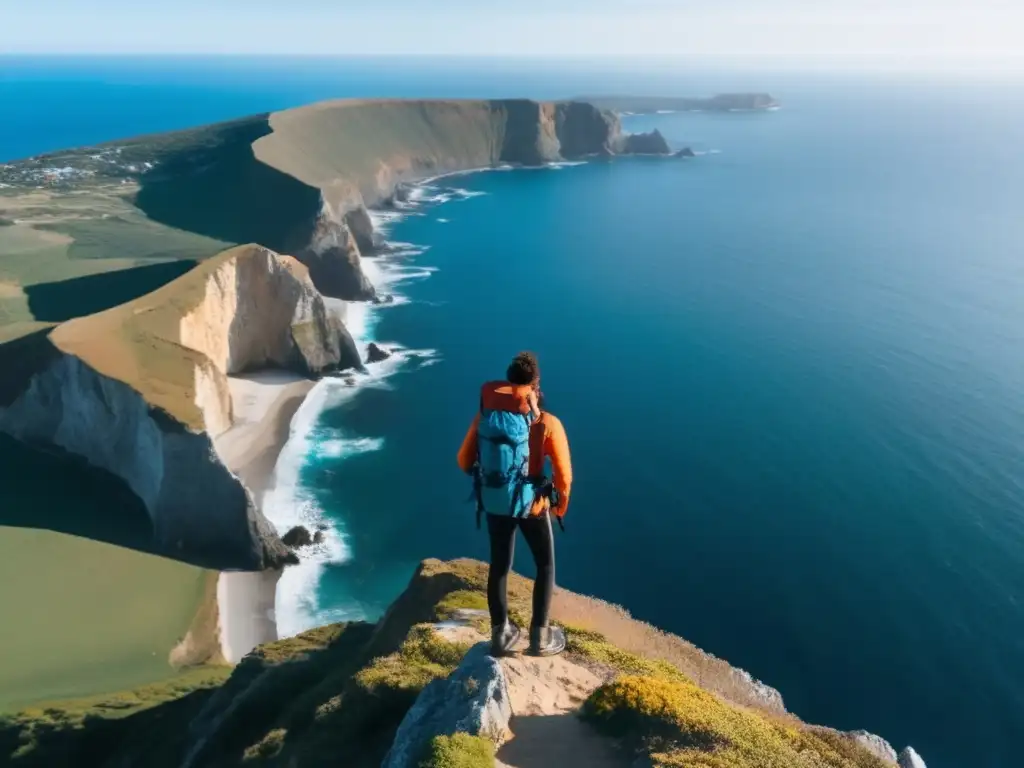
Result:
<point x="681" y="725"/>
<point x="459" y="751"/>
<point x="344" y="689"/>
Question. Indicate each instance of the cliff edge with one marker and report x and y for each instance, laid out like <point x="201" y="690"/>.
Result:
<point x="298" y="181"/>
<point x="141" y="391"/>
<point x="418" y="689"/>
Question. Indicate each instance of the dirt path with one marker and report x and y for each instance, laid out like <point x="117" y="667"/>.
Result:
<point x="546" y="696"/>
<point x="546" y="728"/>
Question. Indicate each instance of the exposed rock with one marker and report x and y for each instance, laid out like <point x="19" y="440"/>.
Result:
<point x="759" y="693"/>
<point x="652" y="143"/>
<point x="361" y="226"/>
<point x="876" y="745"/>
<point x="584" y="130"/>
<point x="333" y="258"/>
<point x="318" y="537"/>
<point x="299" y="536"/>
<point x="141" y="391"/>
<point x="473" y="699"/>
<point x="685" y="152"/>
<point x="910" y="759"/>
<point x="387" y="298"/>
<point x="530" y="137"/>
<point x="375" y="354"/>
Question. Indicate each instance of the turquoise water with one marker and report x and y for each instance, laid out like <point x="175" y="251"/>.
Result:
<point x="790" y="369"/>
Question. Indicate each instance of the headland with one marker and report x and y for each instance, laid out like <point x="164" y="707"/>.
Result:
<point x="166" y="305"/>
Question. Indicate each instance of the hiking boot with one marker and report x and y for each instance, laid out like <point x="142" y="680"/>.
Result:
<point x="546" y="641"/>
<point x="503" y="638"/>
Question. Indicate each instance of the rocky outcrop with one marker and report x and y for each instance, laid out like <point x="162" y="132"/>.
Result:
<point x="876" y="745"/>
<point x="910" y="759"/>
<point x="653" y="143"/>
<point x="361" y="226"/>
<point x="376" y="354"/>
<point x="583" y="130"/>
<point x="333" y="257"/>
<point x="299" y="536"/>
<point x="474" y="699"/>
<point x="685" y="152"/>
<point x="141" y="390"/>
<point x="529" y="133"/>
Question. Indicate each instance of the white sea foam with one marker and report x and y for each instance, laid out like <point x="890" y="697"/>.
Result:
<point x="289" y="504"/>
<point x="311" y="443"/>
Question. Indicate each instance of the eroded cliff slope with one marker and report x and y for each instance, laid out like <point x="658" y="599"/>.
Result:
<point x="141" y="391"/>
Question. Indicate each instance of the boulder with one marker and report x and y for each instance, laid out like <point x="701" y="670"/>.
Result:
<point x="652" y="143"/>
<point x="685" y="152"/>
<point x="910" y="759"/>
<point x="375" y="354"/>
<point x="876" y="745"/>
<point x="473" y="699"/>
<point x="318" y="537"/>
<point x="299" y="536"/>
<point x="387" y="298"/>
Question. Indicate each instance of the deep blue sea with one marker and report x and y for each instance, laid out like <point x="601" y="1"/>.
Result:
<point x="791" y="369"/>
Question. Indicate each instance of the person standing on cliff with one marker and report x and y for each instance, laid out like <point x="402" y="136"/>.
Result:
<point x="505" y="450"/>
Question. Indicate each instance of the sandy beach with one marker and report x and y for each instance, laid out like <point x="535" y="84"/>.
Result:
<point x="264" y="405"/>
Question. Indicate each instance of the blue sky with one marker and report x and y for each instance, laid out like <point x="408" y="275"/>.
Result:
<point x="982" y="30"/>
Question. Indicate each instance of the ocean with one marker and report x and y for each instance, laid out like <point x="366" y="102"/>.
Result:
<point x="790" y="369"/>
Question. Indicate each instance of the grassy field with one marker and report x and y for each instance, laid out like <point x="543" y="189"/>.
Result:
<point x="83" y="617"/>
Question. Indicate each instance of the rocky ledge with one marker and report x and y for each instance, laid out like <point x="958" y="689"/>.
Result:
<point x="141" y="391"/>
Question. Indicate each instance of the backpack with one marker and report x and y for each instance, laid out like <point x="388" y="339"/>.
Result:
<point x="501" y="479"/>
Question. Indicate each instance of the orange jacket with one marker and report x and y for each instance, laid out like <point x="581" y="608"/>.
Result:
<point x="547" y="440"/>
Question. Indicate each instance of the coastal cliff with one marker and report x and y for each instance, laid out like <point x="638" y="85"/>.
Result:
<point x="418" y="690"/>
<point x="298" y="181"/>
<point x="136" y="384"/>
<point x="141" y="391"/>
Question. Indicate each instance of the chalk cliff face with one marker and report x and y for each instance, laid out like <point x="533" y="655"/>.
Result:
<point x="141" y="391"/>
<point x="358" y="153"/>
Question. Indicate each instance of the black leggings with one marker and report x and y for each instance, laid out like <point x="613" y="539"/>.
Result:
<point x="537" y="532"/>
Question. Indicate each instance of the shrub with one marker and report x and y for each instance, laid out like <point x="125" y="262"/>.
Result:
<point x="459" y="751"/>
<point x="679" y="724"/>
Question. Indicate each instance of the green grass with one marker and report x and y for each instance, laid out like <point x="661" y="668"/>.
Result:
<point x="423" y="657"/>
<point x="35" y="735"/>
<point x="101" y="629"/>
<point x="268" y="747"/>
<point x="593" y="647"/>
<point x="682" y="726"/>
<point x="459" y="751"/>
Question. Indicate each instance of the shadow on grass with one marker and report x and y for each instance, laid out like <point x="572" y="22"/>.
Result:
<point x="67" y="299"/>
<point x="213" y="185"/>
<point x="60" y="493"/>
<point x="283" y="697"/>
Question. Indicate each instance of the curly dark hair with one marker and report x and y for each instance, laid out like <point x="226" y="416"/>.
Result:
<point x="524" y="369"/>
